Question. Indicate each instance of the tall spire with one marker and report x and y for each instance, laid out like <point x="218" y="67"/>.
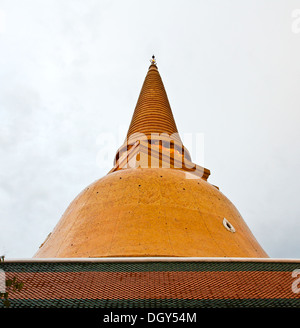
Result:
<point x="153" y="112"/>
<point x="153" y="132"/>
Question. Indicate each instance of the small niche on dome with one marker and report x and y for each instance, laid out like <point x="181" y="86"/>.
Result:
<point x="228" y="225"/>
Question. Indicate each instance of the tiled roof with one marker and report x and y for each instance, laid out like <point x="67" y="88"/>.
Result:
<point x="94" y="283"/>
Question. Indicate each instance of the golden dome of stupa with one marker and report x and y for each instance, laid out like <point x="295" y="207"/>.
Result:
<point x="154" y="202"/>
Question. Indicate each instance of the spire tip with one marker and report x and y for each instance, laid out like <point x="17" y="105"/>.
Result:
<point x="153" y="60"/>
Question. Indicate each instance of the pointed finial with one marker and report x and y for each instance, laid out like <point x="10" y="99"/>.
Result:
<point x="153" y="60"/>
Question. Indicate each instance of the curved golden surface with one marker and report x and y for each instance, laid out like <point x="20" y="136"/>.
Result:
<point x="150" y="212"/>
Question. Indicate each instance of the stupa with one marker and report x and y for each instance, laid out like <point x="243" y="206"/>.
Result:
<point x="153" y="233"/>
<point x="154" y="201"/>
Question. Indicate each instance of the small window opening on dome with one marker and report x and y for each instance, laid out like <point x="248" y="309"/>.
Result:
<point x="228" y="225"/>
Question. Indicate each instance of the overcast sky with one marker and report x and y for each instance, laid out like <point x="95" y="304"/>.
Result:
<point x="71" y="72"/>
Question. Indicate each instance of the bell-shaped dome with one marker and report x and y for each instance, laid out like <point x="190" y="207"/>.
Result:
<point x="151" y="212"/>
